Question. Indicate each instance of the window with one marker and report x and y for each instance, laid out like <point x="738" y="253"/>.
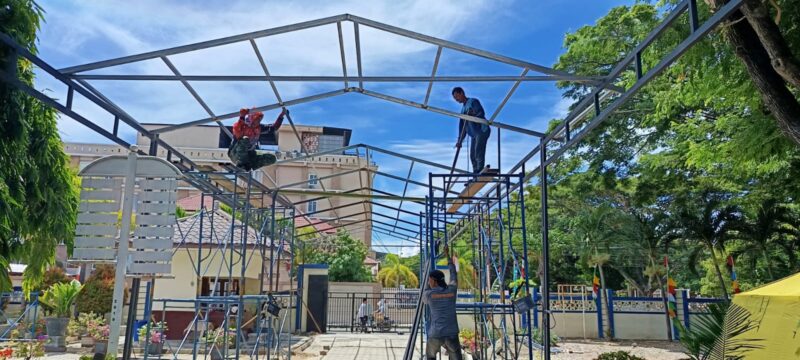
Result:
<point x="330" y="142"/>
<point x="312" y="181"/>
<point x="221" y="287"/>
<point x="311" y="207"/>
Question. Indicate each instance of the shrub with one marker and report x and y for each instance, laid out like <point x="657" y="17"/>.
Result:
<point x="537" y="337"/>
<point x="619" y="355"/>
<point x="59" y="298"/>
<point x="98" y="292"/>
<point x="54" y="275"/>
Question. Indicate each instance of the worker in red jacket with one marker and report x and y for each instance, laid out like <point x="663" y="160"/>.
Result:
<point x="246" y="132"/>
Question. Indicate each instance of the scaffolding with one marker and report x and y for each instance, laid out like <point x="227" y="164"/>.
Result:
<point x="487" y="218"/>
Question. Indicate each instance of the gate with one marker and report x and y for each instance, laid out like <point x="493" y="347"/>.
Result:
<point x="397" y="314"/>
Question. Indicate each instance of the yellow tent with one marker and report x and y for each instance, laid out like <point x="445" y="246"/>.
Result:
<point x="776" y="309"/>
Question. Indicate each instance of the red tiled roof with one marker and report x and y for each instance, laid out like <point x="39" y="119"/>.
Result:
<point x="320" y="226"/>
<point x="192" y="203"/>
<point x="370" y="261"/>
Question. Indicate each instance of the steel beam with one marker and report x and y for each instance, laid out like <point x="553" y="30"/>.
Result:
<point x="433" y="75"/>
<point x="508" y="96"/>
<point x="195" y="95"/>
<point x="266" y="71"/>
<point x="324" y="78"/>
<point x="496" y="124"/>
<point x="203" y="45"/>
<point x="341" y="53"/>
<point x="347" y="195"/>
<point x="357" y="36"/>
<point x="260" y="108"/>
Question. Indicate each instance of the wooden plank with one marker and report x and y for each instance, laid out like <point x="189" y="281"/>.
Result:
<point x="162" y="196"/>
<point x="95" y="242"/>
<point x="99" y="206"/>
<point x="144" y="220"/>
<point x="101" y="183"/>
<point x="151" y="255"/>
<point x="149" y="268"/>
<point x="158" y="208"/>
<point x="104" y="230"/>
<point x="94" y="254"/>
<point x="153" y="244"/>
<point x="471" y="190"/>
<point x="95" y="218"/>
<point x="100" y="195"/>
<point x="164" y="232"/>
<point x="163" y="184"/>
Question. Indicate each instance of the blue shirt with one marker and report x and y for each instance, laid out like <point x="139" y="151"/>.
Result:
<point x="442" y="306"/>
<point x="473" y="107"/>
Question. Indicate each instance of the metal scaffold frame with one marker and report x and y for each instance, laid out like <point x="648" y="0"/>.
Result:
<point x="605" y="97"/>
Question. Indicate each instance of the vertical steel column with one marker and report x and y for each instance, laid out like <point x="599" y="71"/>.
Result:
<point x="271" y="330"/>
<point x="694" y="22"/>
<point x="545" y="254"/>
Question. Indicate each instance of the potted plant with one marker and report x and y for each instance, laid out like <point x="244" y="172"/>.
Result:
<point x="472" y="344"/>
<point x="80" y="327"/>
<point x="219" y="340"/>
<point x="155" y="338"/>
<point x="98" y="330"/>
<point x="58" y="299"/>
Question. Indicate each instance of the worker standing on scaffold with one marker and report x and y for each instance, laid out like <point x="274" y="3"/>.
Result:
<point x="440" y="297"/>
<point x="246" y="133"/>
<point x="478" y="133"/>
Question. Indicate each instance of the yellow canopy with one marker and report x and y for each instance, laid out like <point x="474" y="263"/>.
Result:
<point x="776" y="307"/>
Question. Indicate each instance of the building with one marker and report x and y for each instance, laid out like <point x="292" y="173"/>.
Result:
<point x="207" y="145"/>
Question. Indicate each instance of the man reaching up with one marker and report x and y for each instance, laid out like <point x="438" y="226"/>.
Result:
<point x="246" y="132"/>
<point x="440" y="297"/>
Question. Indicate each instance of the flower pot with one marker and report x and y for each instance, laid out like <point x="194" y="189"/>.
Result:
<point x="56" y="326"/>
<point x="101" y="347"/>
<point x="87" y="341"/>
<point x="216" y="353"/>
<point x="155" y="348"/>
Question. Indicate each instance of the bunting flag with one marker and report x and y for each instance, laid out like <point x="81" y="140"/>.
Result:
<point x="672" y="303"/>
<point x="595" y="286"/>
<point x="734" y="278"/>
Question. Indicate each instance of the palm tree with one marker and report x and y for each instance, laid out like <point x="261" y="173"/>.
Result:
<point x="772" y="224"/>
<point x="394" y="273"/>
<point x="709" y="222"/>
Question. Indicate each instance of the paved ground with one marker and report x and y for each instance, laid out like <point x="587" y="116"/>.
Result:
<point x="356" y="346"/>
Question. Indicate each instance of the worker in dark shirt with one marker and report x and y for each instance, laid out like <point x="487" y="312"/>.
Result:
<point x="440" y="297"/>
<point x="246" y="132"/>
<point x="478" y="133"/>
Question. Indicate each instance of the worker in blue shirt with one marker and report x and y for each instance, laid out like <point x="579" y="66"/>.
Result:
<point x="478" y="133"/>
<point x="440" y="298"/>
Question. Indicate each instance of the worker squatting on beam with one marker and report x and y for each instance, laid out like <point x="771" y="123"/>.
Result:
<point x="478" y="133"/>
<point x="246" y="133"/>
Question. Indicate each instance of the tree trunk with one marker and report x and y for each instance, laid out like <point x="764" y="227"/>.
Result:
<point x="768" y="264"/>
<point x="774" y="93"/>
<point x="719" y="273"/>
<point x="784" y="63"/>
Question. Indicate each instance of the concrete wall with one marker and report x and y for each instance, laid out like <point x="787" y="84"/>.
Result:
<point x="184" y="284"/>
<point x="370" y="289"/>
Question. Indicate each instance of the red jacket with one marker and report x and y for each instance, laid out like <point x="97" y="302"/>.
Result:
<point x="253" y="131"/>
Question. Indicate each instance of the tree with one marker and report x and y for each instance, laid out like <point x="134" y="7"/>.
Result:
<point x="38" y="192"/>
<point x="98" y="291"/>
<point x="345" y="260"/>
<point x="762" y="234"/>
<point x="394" y="273"/>
<point x="768" y="58"/>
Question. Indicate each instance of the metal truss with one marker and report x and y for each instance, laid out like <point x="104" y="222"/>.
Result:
<point x="605" y="97"/>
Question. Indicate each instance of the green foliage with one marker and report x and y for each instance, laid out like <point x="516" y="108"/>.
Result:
<point x="38" y="192"/>
<point x="60" y="297"/>
<point x="538" y="337"/>
<point x="54" y="275"/>
<point x="718" y="335"/>
<point x="180" y="212"/>
<point x="619" y="355"/>
<point x="345" y="259"/>
<point x="98" y="291"/>
<point x="394" y="273"/>
<point x="81" y="325"/>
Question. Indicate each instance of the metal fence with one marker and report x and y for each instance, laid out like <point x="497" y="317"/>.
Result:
<point x="397" y="311"/>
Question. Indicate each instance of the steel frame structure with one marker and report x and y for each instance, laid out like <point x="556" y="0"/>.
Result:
<point x="587" y="115"/>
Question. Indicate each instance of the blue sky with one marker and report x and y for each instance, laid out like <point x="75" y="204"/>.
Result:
<point x="78" y="32"/>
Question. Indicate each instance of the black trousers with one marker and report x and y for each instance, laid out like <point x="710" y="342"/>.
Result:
<point x="450" y="343"/>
